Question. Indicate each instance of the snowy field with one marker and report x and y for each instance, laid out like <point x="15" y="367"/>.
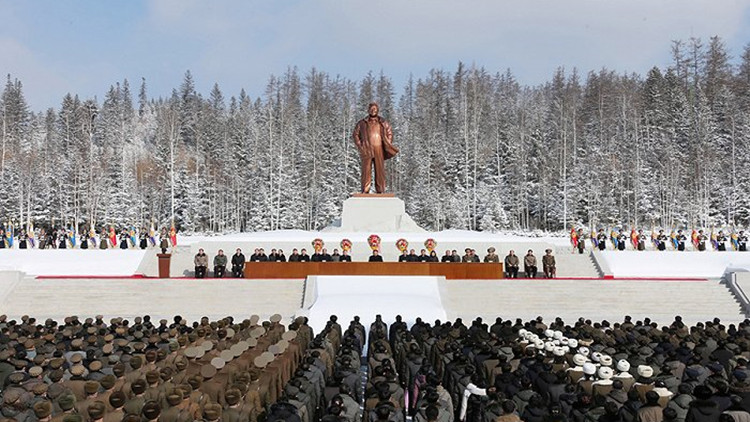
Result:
<point x="707" y="264"/>
<point x="410" y="297"/>
<point x="70" y="262"/>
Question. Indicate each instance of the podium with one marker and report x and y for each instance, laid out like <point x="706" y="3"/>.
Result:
<point x="165" y="260"/>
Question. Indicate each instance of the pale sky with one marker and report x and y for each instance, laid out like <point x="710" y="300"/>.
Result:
<point x="84" y="46"/>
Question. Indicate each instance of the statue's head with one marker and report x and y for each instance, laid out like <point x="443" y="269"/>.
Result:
<point x="372" y="109"/>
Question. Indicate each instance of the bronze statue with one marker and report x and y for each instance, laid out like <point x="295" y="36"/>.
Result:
<point x="374" y="139"/>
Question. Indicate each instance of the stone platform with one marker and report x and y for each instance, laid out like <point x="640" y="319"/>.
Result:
<point x="376" y="213"/>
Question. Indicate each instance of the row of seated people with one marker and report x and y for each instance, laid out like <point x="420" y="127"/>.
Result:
<point x="511" y="261"/>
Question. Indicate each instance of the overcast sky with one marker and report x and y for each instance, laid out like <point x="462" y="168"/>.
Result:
<point x="55" y="47"/>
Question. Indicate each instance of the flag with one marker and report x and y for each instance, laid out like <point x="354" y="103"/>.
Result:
<point x="132" y="236"/>
<point x="152" y="234"/>
<point x="112" y="236"/>
<point x="72" y="236"/>
<point x="614" y="238"/>
<point x="735" y="241"/>
<point x="634" y="238"/>
<point x="173" y="236"/>
<point x="673" y="237"/>
<point x="92" y="235"/>
<point x="654" y="238"/>
<point x="714" y="242"/>
<point x="30" y="232"/>
<point x="594" y="239"/>
<point x="573" y="237"/>
<point x="9" y="234"/>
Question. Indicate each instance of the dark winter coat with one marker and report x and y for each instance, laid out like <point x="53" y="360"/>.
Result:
<point x="238" y="260"/>
<point x="703" y="411"/>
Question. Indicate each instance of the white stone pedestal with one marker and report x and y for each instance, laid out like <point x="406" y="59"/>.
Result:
<point x="377" y="214"/>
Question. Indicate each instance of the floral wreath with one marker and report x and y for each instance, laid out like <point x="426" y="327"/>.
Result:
<point x="317" y="244"/>
<point x="346" y="245"/>
<point x="402" y="244"/>
<point x="374" y="242"/>
<point x="430" y="244"/>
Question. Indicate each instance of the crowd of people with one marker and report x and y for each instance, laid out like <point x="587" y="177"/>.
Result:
<point x="106" y="238"/>
<point x="510" y="371"/>
<point x="660" y="241"/>
<point x="511" y="262"/>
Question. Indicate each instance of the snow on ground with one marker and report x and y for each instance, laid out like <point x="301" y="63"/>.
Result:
<point x="367" y="296"/>
<point x="68" y="262"/>
<point x="707" y="264"/>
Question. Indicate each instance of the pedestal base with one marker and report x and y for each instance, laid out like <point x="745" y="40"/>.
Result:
<point x="376" y="213"/>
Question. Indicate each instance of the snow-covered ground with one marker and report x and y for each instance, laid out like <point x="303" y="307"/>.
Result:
<point x="367" y="296"/>
<point x="69" y="262"/>
<point x="708" y="264"/>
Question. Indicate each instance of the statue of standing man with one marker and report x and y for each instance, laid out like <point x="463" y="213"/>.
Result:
<point x="374" y="139"/>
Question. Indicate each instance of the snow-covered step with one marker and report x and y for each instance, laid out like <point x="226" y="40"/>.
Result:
<point x="215" y="298"/>
<point x="575" y="265"/>
<point x="594" y="299"/>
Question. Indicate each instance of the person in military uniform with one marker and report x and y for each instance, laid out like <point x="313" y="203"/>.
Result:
<point x="681" y="239"/>
<point x="548" y="264"/>
<point x="529" y="264"/>
<point x="511" y="265"/>
<point x="581" y="243"/>
<point x="143" y="238"/>
<point x="622" y="240"/>
<point x="22" y="240"/>
<point x="742" y="241"/>
<point x="721" y="241"/>
<point x="662" y="240"/>
<point x="641" y="244"/>
<point x="124" y="239"/>
<point x="702" y="239"/>
<point x="164" y="240"/>
<point x="601" y="240"/>
<point x="62" y="239"/>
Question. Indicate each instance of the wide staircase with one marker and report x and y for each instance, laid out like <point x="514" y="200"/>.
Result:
<point x="594" y="299"/>
<point x="574" y="265"/>
<point x="190" y="298"/>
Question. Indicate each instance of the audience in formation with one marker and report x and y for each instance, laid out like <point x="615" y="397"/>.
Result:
<point x="253" y="370"/>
